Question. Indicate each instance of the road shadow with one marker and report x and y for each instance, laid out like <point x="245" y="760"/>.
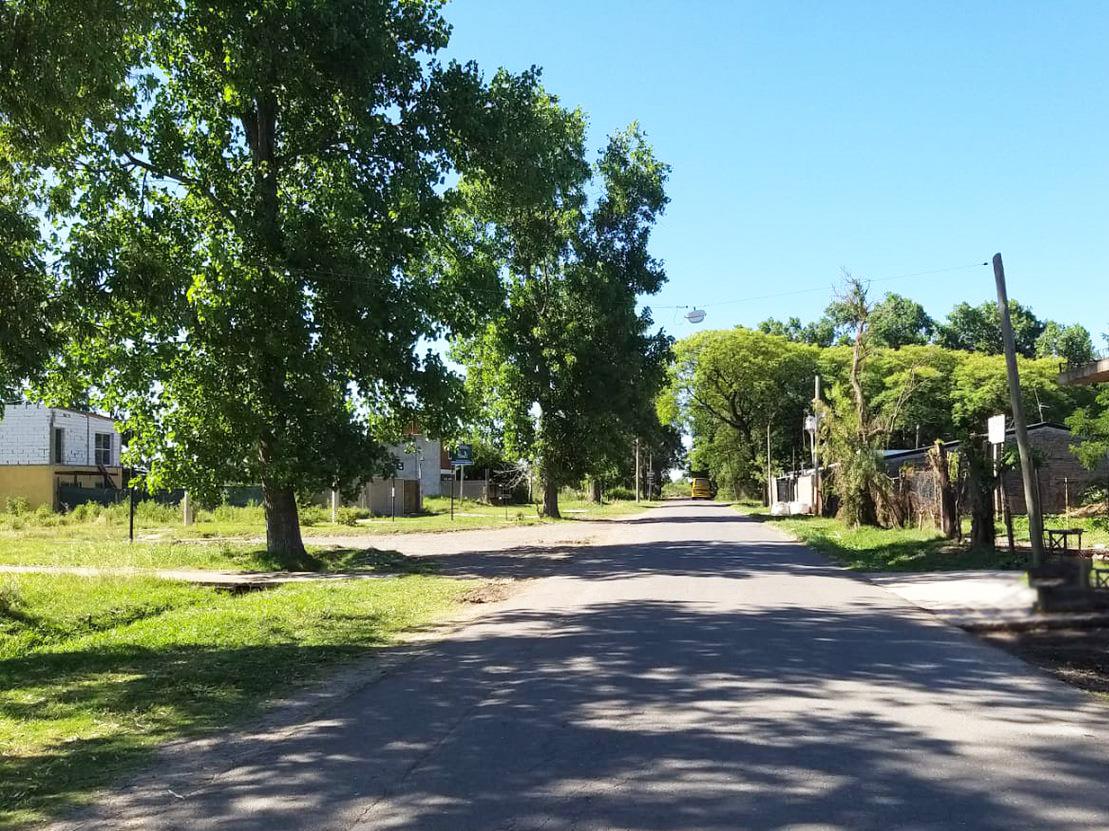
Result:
<point x="668" y="716"/>
<point x="685" y="558"/>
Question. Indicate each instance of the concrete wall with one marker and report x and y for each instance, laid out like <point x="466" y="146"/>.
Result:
<point x="34" y="483"/>
<point x="27" y="435"/>
<point x="423" y="464"/>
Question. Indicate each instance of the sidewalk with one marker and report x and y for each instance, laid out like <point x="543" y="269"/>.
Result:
<point x="980" y="600"/>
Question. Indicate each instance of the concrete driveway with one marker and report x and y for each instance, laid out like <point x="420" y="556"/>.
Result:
<point x="690" y="670"/>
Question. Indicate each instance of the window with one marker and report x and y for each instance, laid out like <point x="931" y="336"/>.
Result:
<point x="103" y="448"/>
<point x="59" y="447"/>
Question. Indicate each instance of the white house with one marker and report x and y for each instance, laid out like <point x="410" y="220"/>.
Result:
<point x="46" y="449"/>
<point x="420" y="467"/>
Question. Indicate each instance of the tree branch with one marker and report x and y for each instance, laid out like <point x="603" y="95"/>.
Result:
<point x="188" y="181"/>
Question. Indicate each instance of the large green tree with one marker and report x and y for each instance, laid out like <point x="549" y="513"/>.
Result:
<point x="1072" y="344"/>
<point x="245" y="214"/>
<point x="978" y="329"/>
<point x="897" y="321"/>
<point x="727" y="387"/>
<point x="567" y="367"/>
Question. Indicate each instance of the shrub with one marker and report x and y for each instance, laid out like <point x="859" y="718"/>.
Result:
<point x="619" y="492"/>
<point x="312" y="515"/>
<point x="86" y="512"/>
<point x="350" y="516"/>
<point x="17" y="505"/>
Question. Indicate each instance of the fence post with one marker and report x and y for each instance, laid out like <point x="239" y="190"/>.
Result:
<point x="187" y="510"/>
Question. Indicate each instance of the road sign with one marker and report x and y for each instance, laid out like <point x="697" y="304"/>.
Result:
<point x="463" y="455"/>
<point x="996" y="429"/>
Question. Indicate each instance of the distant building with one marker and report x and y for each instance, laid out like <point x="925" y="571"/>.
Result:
<point x="421" y="466"/>
<point x="48" y="455"/>
<point x="1059" y="475"/>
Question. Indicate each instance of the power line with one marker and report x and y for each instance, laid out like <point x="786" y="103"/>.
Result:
<point x="813" y="289"/>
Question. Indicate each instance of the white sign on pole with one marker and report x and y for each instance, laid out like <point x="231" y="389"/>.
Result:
<point x="996" y="429"/>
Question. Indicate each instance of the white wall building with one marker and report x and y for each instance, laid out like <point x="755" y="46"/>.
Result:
<point x="31" y="434"/>
<point x="42" y="448"/>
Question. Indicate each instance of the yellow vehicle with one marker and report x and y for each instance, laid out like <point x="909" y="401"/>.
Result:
<point x="700" y="488"/>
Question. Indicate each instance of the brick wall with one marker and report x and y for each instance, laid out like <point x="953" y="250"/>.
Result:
<point x="1057" y="473"/>
<point x="27" y="435"/>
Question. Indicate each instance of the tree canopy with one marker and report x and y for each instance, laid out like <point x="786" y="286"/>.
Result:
<point x="248" y="196"/>
<point x="566" y="366"/>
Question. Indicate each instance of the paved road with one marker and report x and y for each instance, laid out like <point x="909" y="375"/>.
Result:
<point x="694" y="671"/>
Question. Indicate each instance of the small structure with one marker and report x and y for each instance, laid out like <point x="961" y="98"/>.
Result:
<point x="1081" y="375"/>
<point x="793" y="493"/>
<point x="420" y="465"/>
<point x="58" y="457"/>
<point x="1060" y="477"/>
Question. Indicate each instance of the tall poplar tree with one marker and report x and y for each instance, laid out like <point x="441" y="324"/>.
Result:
<point x="567" y="366"/>
<point x="242" y="216"/>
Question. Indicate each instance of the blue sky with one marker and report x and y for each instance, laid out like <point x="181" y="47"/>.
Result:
<point x="889" y="138"/>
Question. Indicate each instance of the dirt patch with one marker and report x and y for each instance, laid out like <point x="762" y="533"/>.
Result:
<point x="491" y="591"/>
<point x="1079" y="657"/>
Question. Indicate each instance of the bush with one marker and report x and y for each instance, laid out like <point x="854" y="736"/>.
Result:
<point x="619" y="492"/>
<point x="350" y="516"/>
<point x="17" y="506"/>
<point x="86" y="512"/>
<point x="312" y="515"/>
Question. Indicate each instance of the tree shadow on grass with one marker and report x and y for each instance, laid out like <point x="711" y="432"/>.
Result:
<point x="142" y="696"/>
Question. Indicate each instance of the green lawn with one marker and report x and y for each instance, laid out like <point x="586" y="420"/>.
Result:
<point x="888" y="549"/>
<point x="95" y="672"/>
<point x="229" y="538"/>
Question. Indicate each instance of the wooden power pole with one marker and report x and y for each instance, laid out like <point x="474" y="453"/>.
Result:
<point x="1020" y="426"/>
<point x="818" y="496"/>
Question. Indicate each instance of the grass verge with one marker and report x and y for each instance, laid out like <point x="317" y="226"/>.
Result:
<point x="890" y="549"/>
<point x="96" y="672"/>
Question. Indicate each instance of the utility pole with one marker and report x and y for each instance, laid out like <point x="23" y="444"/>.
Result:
<point x="769" y="491"/>
<point x="637" y="469"/>
<point x="818" y="496"/>
<point x="1020" y="426"/>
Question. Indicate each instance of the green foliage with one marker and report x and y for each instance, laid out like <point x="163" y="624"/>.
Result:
<point x="726" y="386"/>
<point x="978" y="329"/>
<point x="350" y="516"/>
<point x="246" y="202"/>
<point x="818" y="333"/>
<point x="1091" y="424"/>
<point x="566" y="369"/>
<point x="1071" y="344"/>
<point x="898" y="321"/>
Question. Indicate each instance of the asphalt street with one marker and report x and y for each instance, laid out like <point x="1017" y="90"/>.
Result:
<point x="687" y="670"/>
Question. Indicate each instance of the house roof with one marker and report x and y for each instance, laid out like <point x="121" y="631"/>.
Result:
<point x="893" y="455"/>
<point x="60" y="409"/>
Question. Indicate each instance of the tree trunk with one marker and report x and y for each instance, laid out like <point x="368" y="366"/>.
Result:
<point x="937" y="456"/>
<point x="595" y="491"/>
<point x="983" y="532"/>
<point x="550" y="498"/>
<point x="283" y="540"/>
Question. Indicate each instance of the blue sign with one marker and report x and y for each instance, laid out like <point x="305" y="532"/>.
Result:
<point x="463" y="455"/>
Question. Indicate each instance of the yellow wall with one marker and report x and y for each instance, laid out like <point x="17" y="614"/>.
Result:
<point x="35" y="483"/>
